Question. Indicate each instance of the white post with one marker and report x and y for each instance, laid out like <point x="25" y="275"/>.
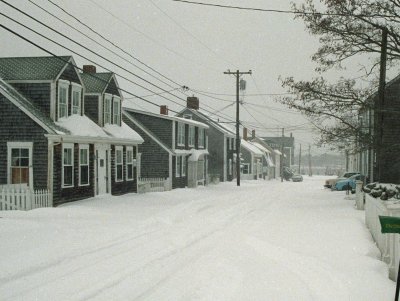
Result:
<point x="359" y="196"/>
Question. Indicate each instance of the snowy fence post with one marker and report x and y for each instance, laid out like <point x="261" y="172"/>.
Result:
<point x="359" y="196"/>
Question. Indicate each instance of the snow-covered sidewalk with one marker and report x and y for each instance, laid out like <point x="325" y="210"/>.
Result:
<point x="265" y="240"/>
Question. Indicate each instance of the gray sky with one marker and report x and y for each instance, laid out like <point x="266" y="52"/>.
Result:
<point x="192" y="45"/>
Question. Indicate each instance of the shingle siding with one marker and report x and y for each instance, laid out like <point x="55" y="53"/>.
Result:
<point x="92" y="107"/>
<point x="39" y="93"/>
<point x="112" y="88"/>
<point x="16" y="126"/>
<point x="154" y="158"/>
<point x="70" y="74"/>
<point x="63" y="195"/>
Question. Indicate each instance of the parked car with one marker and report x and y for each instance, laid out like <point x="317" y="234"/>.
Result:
<point x="330" y="183"/>
<point x="297" y="178"/>
<point x="349" y="183"/>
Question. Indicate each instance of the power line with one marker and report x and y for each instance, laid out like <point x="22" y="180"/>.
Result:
<point x="98" y="43"/>
<point x="112" y="43"/>
<point x="145" y="35"/>
<point x="189" y="33"/>
<point x="292" y="12"/>
<point x="222" y="94"/>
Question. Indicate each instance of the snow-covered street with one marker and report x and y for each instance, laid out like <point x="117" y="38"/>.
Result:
<point x="265" y="240"/>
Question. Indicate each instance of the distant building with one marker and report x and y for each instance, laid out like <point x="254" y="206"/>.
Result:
<point x="285" y="143"/>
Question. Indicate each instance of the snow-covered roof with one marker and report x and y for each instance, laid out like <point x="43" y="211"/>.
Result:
<point x="174" y="118"/>
<point x="264" y="149"/>
<point x="123" y="132"/>
<point x="277" y="152"/>
<point x="252" y="148"/>
<point x="197" y="153"/>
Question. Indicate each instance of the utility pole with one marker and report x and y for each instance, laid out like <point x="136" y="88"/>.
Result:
<point x="282" y="149"/>
<point x="380" y="105"/>
<point x="309" y="161"/>
<point x="237" y="74"/>
<point x="300" y="160"/>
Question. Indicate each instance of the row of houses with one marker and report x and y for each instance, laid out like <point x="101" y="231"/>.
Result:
<point x="65" y="130"/>
<point x="376" y="155"/>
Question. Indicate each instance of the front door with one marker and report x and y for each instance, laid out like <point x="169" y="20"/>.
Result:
<point x="102" y="179"/>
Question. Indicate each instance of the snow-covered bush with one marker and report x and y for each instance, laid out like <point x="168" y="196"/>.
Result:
<point x="384" y="191"/>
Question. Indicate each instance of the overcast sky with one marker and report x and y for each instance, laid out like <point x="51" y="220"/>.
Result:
<point x="187" y="45"/>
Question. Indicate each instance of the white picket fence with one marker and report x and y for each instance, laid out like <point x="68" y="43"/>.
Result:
<point x="153" y="185"/>
<point x="19" y="197"/>
<point x="388" y="244"/>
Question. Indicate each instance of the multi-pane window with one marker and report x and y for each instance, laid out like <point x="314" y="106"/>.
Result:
<point x="76" y="99"/>
<point x="191" y="135"/>
<point x="62" y="99"/>
<point x="129" y="163"/>
<point x="178" y="166"/>
<point x="116" y="110"/>
<point x="246" y="168"/>
<point x="118" y="164"/>
<point x="183" y="166"/>
<point x="201" y="137"/>
<point x="68" y="165"/>
<point x="19" y="165"/>
<point x="83" y="165"/>
<point x="107" y="109"/>
<point x="181" y="134"/>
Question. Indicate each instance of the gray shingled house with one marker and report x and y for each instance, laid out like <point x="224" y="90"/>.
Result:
<point x="174" y="148"/>
<point x="47" y="141"/>
<point x="222" y="142"/>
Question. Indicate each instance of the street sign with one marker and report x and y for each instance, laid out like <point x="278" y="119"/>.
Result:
<point x="389" y="224"/>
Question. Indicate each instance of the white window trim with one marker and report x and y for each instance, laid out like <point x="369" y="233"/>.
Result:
<point x="201" y="137"/>
<point x="178" y="166"/>
<point x="183" y="166"/>
<point x="248" y="168"/>
<point x="192" y="136"/>
<point x="11" y="145"/>
<point x="84" y="146"/>
<point x="107" y="96"/>
<point x="129" y="149"/>
<point x="64" y="146"/>
<point x="181" y="134"/>
<point x="64" y="84"/>
<point x="119" y="148"/>
<point x="76" y="88"/>
<point x="116" y="99"/>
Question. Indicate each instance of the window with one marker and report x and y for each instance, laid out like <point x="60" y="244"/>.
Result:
<point x="201" y="138"/>
<point x="76" y="99"/>
<point x="129" y="163"/>
<point x="68" y="165"/>
<point x="118" y="164"/>
<point x="246" y="170"/>
<point x="178" y="167"/>
<point x="191" y="135"/>
<point x="63" y="99"/>
<point x="181" y="134"/>
<point x="83" y="164"/>
<point x="183" y="166"/>
<point x="19" y="165"/>
<point x="116" y="110"/>
<point x="107" y="109"/>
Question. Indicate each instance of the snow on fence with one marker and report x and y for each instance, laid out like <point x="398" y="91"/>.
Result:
<point x="19" y="197"/>
<point x="153" y="185"/>
<point x="388" y="244"/>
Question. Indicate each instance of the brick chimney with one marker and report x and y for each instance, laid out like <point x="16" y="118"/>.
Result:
<point x="164" y="110"/>
<point x="192" y="102"/>
<point x="245" y="134"/>
<point x="253" y="134"/>
<point x="89" y="69"/>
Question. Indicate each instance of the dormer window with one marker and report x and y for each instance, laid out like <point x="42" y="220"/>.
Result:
<point x="181" y="134"/>
<point x="76" y="99"/>
<point x="107" y="109"/>
<point x="191" y="135"/>
<point x="63" y="99"/>
<point x="116" y="110"/>
<point x="201" y="138"/>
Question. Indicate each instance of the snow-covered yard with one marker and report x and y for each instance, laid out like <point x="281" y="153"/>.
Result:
<point x="265" y="240"/>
